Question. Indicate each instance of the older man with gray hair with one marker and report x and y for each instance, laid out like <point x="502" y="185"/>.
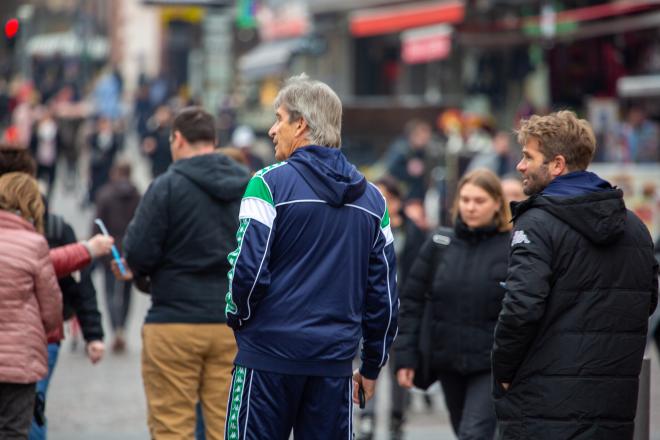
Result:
<point x="313" y="273"/>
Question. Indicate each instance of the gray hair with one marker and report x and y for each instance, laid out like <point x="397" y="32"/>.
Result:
<point x="317" y="104"/>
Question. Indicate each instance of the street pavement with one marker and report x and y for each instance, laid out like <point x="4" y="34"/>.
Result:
<point x="106" y="401"/>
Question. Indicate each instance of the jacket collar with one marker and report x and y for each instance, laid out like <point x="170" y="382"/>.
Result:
<point x="9" y="220"/>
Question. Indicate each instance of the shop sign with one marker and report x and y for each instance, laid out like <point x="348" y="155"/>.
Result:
<point x="283" y="20"/>
<point x="426" y="44"/>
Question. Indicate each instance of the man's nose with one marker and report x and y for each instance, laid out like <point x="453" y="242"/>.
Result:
<point x="521" y="167"/>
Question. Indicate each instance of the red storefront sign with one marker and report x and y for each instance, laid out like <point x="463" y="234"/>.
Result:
<point x="426" y="44"/>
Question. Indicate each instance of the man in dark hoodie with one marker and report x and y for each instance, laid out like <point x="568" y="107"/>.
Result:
<point x="581" y="284"/>
<point x="313" y="273"/>
<point x="180" y="238"/>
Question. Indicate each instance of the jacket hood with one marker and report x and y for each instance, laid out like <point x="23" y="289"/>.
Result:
<point x="216" y="174"/>
<point x="575" y="184"/>
<point x="585" y="202"/>
<point x="330" y="175"/>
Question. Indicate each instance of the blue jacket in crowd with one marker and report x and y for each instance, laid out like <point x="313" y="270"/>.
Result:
<point x="314" y="270"/>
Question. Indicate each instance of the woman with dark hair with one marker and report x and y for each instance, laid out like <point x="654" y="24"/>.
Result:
<point x="458" y="277"/>
<point x="30" y="300"/>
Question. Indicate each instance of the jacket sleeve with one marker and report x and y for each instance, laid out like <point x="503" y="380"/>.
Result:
<point x="47" y="290"/>
<point x="82" y="295"/>
<point x="413" y="300"/>
<point x="147" y="232"/>
<point x="523" y="306"/>
<point x="381" y="306"/>
<point x="69" y="258"/>
<point x="249" y="276"/>
<point x="87" y="309"/>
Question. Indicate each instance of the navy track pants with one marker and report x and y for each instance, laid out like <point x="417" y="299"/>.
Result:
<point x="268" y="406"/>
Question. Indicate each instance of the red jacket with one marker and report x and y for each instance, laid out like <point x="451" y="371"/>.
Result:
<point x="30" y="301"/>
<point x="69" y="258"/>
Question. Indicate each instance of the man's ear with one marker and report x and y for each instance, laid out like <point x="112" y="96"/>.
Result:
<point x="177" y="138"/>
<point x="558" y="166"/>
<point x="301" y="127"/>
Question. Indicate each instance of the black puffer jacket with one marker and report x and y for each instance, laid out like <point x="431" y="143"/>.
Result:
<point x="181" y="234"/>
<point x="466" y="295"/>
<point x="78" y="297"/>
<point x="571" y="334"/>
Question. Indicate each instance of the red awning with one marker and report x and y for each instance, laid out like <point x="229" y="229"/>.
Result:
<point x="604" y="10"/>
<point x="380" y="21"/>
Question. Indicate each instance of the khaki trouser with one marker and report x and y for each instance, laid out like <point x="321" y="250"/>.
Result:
<point x="181" y="365"/>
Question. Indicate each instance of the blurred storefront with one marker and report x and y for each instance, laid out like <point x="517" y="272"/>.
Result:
<point x="181" y="39"/>
<point x="565" y="54"/>
<point x="60" y="42"/>
<point x="387" y="57"/>
<point x="497" y="60"/>
<point x="197" y="48"/>
<point x="283" y="33"/>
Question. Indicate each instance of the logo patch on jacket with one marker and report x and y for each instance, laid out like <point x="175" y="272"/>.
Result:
<point x="519" y="237"/>
<point x="441" y="239"/>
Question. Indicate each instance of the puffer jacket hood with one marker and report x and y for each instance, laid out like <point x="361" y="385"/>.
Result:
<point x="575" y="184"/>
<point x="584" y="201"/>
<point x="216" y="174"/>
<point x="333" y="178"/>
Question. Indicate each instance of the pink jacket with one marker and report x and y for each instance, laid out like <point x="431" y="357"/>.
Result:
<point x="30" y="300"/>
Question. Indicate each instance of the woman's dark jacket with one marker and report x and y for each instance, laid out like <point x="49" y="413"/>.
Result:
<point x="461" y="272"/>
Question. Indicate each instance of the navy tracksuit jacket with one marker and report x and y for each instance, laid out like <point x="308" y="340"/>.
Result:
<point x="314" y="272"/>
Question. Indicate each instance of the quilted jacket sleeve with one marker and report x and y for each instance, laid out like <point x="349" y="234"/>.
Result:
<point x="413" y="299"/>
<point x="523" y="306"/>
<point x="69" y="258"/>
